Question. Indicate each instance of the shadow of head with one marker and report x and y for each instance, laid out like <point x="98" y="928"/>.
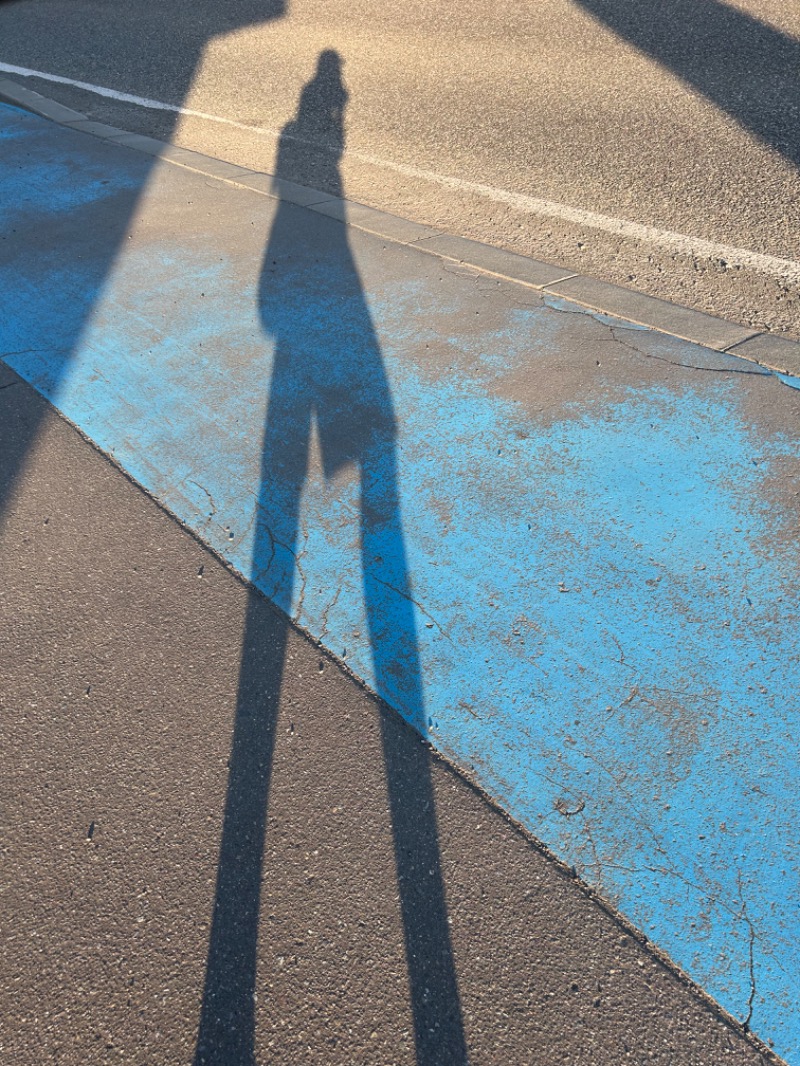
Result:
<point x="326" y="88"/>
<point x="318" y="124"/>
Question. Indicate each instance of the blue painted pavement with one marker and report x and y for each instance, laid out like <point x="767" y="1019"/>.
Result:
<point x="563" y="547"/>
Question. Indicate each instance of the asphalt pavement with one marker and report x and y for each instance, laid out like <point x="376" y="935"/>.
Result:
<point x="652" y="146"/>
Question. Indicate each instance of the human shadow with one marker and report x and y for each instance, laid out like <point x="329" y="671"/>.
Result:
<point x="745" y="67"/>
<point x="328" y="377"/>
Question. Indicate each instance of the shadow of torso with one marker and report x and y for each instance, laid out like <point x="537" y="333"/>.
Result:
<point x="328" y="368"/>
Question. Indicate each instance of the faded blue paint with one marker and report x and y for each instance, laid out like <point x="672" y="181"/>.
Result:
<point x="606" y="604"/>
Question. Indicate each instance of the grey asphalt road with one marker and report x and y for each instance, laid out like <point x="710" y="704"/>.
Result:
<point x="122" y="645"/>
<point x="682" y="116"/>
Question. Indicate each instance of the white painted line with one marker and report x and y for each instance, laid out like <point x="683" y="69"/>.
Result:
<point x="788" y="269"/>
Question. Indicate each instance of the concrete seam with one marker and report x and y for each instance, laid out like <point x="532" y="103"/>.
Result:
<point x="729" y="349"/>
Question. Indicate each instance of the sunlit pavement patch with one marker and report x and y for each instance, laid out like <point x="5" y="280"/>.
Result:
<point x="585" y="591"/>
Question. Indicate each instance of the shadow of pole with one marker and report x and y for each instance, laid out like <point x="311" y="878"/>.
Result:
<point x="328" y="374"/>
<point x="745" y="67"/>
<point x="169" y="41"/>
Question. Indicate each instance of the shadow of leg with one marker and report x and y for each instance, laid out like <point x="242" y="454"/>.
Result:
<point x="438" y="1024"/>
<point x="226" y="1035"/>
<point x="227" y="1022"/>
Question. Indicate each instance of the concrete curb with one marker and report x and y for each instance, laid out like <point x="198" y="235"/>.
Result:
<point x="777" y="354"/>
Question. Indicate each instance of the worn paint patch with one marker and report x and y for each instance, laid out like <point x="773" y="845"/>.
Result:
<point x="592" y="605"/>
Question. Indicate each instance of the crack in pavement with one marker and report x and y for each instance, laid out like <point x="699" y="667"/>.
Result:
<point x="328" y="608"/>
<point x="751" y="949"/>
<point x="668" y="871"/>
<point x="210" y="497"/>
<point x="587" y="312"/>
<point x="760" y="372"/>
<point x="303" y="576"/>
<point x="417" y="604"/>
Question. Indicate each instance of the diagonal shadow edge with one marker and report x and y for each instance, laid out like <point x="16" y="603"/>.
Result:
<point x="745" y="67"/>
